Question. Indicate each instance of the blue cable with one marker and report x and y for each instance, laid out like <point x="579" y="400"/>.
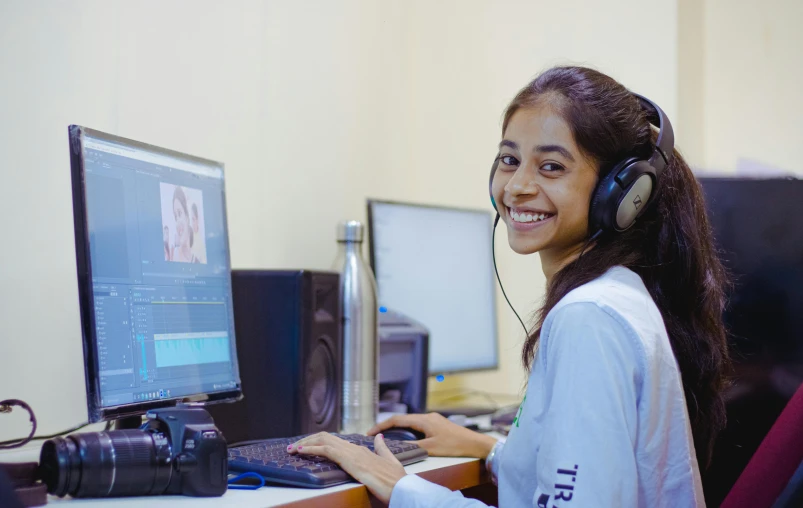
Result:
<point x="247" y="487"/>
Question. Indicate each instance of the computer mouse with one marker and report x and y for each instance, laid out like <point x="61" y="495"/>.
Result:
<point x="403" y="434"/>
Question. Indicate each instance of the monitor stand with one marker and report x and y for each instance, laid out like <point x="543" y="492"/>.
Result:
<point x="127" y="422"/>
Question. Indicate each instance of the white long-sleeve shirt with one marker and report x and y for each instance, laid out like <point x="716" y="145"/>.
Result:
<point x="604" y="420"/>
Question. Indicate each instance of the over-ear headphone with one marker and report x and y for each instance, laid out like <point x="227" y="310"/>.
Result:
<point x="626" y="191"/>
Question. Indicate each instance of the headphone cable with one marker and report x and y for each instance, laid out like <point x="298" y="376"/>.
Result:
<point x="499" y="280"/>
<point x="590" y="241"/>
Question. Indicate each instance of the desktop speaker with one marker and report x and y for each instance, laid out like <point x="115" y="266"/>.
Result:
<point x="289" y="346"/>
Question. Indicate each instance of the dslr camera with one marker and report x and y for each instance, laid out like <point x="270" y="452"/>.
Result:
<point x="177" y="451"/>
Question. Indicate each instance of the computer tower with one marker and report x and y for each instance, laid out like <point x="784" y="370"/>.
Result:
<point x="403" y="363"/>
<point x="289" y="346"/>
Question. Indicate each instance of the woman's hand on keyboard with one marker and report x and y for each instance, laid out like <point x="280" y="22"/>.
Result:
<point x="443" y="437"/>
<point x="378" y="471"/>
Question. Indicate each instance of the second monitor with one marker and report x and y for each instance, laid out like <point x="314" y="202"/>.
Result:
<point x="435" y="265"/>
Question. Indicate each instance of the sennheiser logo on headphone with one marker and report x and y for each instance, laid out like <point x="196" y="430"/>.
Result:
<point x="637" y="202"/>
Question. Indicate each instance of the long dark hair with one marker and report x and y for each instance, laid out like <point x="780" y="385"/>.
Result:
<point x="670" y="247"/>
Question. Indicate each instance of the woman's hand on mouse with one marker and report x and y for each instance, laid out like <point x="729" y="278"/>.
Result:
<point x="378" y="471"/>
<point x="443" y="437"/>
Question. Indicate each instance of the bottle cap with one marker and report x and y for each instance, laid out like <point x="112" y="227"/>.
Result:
<point x="350" y="231"/>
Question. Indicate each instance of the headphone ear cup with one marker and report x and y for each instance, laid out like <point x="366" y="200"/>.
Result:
<point x="616" y="208"/>
<point x="604" y="199"/>
<point x="636" y="196"/>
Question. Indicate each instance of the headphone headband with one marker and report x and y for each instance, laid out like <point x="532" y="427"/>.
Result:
<point x="665" y="144"/>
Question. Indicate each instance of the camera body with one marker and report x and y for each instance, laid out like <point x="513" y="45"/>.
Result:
<point x="199" y="451"/>
<point x="177" y="451"/>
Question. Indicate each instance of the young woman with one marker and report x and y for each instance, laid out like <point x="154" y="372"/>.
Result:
<point x="184" y="235"/>
<point x="626" y="361"/>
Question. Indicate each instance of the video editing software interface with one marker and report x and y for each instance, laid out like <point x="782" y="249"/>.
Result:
<point x="160" y="274"/>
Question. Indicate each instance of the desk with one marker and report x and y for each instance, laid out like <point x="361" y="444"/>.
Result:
<point x="454" y="473"/>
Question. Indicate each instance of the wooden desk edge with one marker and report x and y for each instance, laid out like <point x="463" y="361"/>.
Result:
<point x="455" y="477"/>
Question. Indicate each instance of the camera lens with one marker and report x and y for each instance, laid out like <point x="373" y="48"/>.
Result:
<point x="104" y="464"/>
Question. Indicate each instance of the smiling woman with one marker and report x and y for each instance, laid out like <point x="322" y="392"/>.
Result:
<point x="541" y="171"/>
<point x="624" y="394"/>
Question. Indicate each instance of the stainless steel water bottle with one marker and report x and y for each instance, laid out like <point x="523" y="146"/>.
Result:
<point x="360" y="332"/>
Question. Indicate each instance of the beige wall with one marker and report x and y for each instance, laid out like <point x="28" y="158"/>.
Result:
<point x="753" y="72"/>
<point x="690" y="121"/>
<point x="313" y="106"/>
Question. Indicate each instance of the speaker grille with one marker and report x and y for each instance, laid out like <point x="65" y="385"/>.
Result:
<point x="320" y="382"/>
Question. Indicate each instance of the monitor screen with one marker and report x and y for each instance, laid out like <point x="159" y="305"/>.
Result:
<point x="761" y="246"/>
<point x="434" y="265"/>
<point x="154" y="275"/>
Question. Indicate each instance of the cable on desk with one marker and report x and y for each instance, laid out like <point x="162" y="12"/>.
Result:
<point x="6" y="407"/>
<point x="246" y="476"/>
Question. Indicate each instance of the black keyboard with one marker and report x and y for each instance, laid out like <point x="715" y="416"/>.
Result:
<point x="270" y="459"/>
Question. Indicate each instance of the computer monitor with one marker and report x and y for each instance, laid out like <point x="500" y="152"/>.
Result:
<point x="761" y="246"/>
<point x="434" y="264"/>
<point x="154" y="276"/>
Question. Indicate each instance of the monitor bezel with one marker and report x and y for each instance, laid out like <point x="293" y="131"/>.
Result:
<point x="370" y="202"/>
<point x="95" y="411"/>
